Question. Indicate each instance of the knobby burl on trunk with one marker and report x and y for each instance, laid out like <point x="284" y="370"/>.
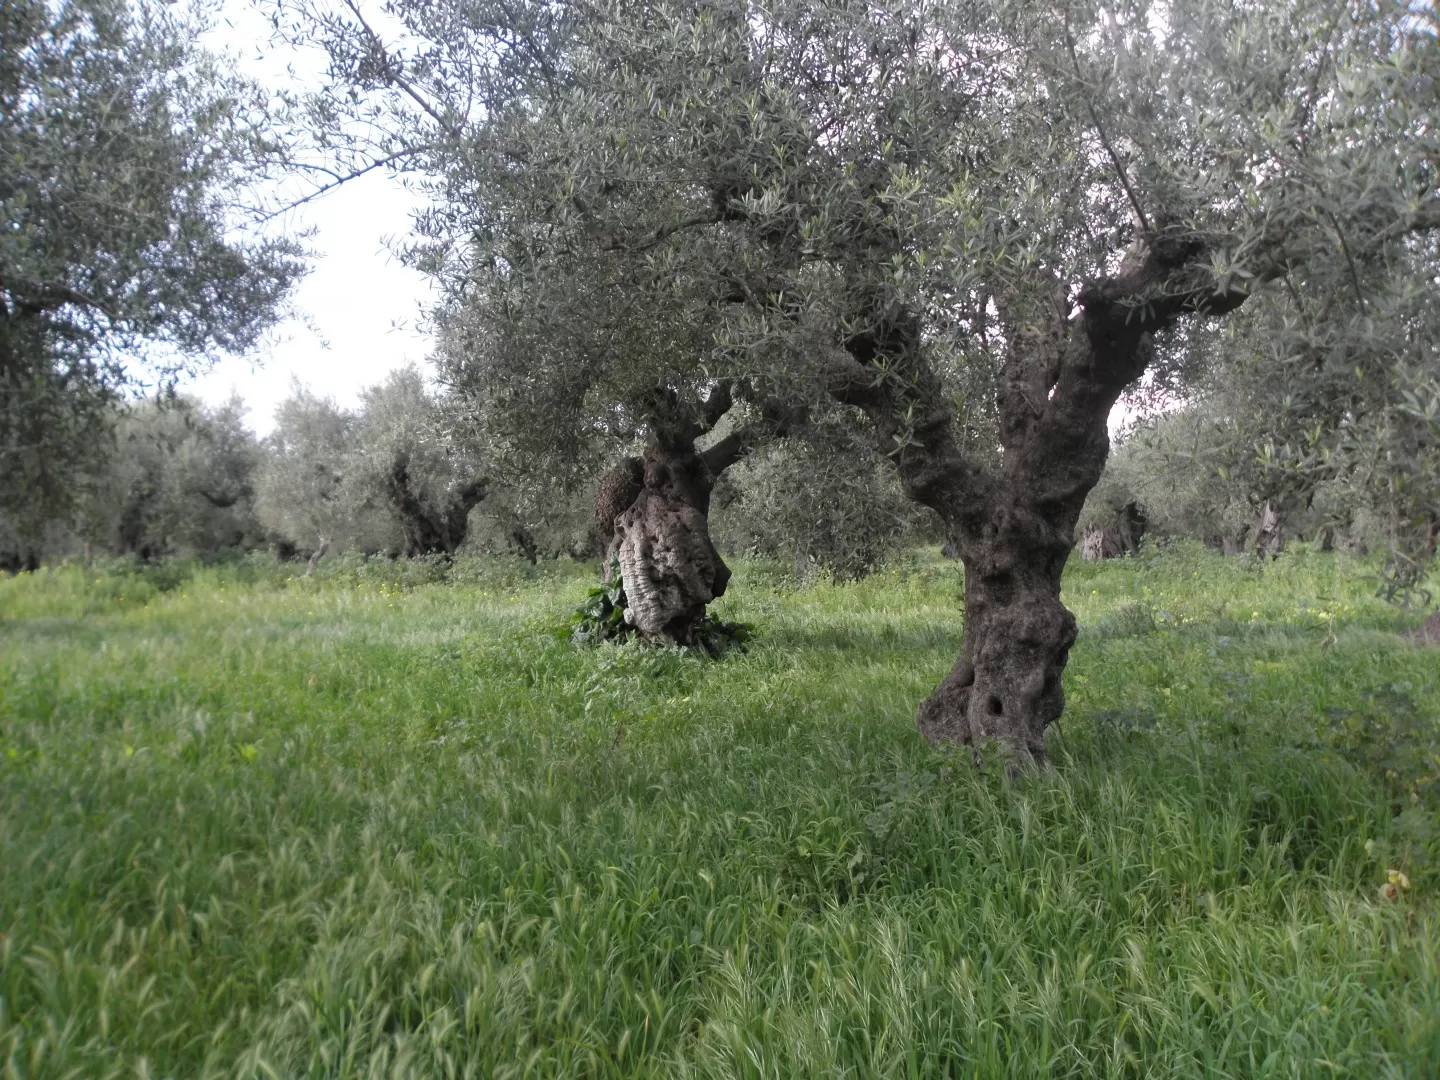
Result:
<point x="1013" y="524"/>
<point x="652" y="513"/>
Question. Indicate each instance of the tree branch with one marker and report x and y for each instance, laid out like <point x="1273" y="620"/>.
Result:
<point x="662" y="233"/>
<point x="396" y="78"/>
<point x="1100" y="130"/>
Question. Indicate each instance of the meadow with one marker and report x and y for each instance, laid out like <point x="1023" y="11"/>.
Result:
<point x="384" y="822"/>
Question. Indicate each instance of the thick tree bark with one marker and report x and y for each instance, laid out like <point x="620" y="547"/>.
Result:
<point x="1014" y="523"/>
<point x="661" y="541"/>
<point x="1270" y="533"/>
<point x="652" y="514"/>
<point x="670" y="568"/>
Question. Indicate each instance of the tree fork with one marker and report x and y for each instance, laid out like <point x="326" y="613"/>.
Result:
<point x="1014" y="527"/>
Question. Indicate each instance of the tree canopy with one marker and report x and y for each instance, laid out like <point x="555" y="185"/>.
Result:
<point x="124" y="151"/>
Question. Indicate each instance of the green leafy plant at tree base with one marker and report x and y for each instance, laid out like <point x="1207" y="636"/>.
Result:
<point x="601" y="617"/>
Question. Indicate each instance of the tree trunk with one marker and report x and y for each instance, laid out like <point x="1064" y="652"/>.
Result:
<point x="1234" y="543"/>
<point x="652" y="514"/>
<point x="429" y="530"/>
<point x="317" y="555"/>
<point x="617" y="490"/>
<point x="1270" y="535"/>
<point x="670" y="569"/>
<point x="1005" y="687"/>
<point x="1014" y="522"/>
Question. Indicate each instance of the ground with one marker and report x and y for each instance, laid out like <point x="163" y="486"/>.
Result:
<point x="362" y="824"/>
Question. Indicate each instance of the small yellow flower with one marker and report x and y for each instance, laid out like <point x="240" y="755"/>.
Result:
<point x="1397" y="877"/>
<point x="129" y="751"/>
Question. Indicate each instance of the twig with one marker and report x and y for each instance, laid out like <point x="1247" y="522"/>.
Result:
<point x="1100" y="130"/>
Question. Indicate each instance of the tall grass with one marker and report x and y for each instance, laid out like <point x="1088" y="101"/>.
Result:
<point x="377" y="823"/>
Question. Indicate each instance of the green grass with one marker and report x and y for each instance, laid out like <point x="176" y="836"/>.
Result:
<point x="372" y="824"/>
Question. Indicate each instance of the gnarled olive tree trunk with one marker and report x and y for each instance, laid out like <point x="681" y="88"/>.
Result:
<point x="670" y="568"/>
<point x="430" y="530"/>
<point x="1013" y="523"/>
<point x="652" y="517"/>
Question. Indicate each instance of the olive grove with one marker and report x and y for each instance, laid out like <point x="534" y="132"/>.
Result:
<point x="851" y="187"/>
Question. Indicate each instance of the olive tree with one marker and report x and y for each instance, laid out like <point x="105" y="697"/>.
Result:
<point x="301" y="493"/>
<point x="178" y="480"/>
<point x="124" y="151"/>
<point x="564" y="370"/>
<point x="849" y="184"/>
<point x="405" y="461"/>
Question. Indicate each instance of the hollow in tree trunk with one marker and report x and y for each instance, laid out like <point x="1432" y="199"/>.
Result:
<point x="1005" y="688"/>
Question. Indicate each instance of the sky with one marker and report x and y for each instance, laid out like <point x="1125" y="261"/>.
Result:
<point x="358" y="308"/>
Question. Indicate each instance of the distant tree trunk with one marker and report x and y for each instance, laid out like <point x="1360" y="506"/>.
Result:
<point x="1270" y="535"/>
<point x="428" y="530"/>
<point x="524" y="542"/>
<point x="315" y="556"/>
<point x="1121" y="537"/>
<point x="15" y="562"/>
<point x="1234" y="543"/>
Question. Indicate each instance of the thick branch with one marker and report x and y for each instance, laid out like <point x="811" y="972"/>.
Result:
<point x="776" y="422"/>
<point x="912" y="417"/>
<point x="722" y="396"/>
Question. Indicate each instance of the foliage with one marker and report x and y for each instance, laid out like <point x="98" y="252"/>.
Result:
<point x="407" y="461"/>
<point x="301" y="492"/>
<point x="344" y="827"/>
<point x="601" y="615"/>
<point x="1390" y="734"/>
<point x="125" y="150"/>
<point x="822" y="498"/>
<point x="180" y="481"/>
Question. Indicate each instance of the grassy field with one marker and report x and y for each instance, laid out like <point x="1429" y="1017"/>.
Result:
<point x="365" y="825"/>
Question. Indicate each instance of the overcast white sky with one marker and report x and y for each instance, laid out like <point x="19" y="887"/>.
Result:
<point x="362" y="305"/>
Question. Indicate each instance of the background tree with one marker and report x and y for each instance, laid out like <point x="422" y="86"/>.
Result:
<point x="406" y="460"/>
<point x="856" y="180"/>
<point x="566" y="371"/>
<point x="123" y="150"/>
<point x="823" y="499"/>
<point x="300" y="490"/>
<point x="180" y="481"/>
